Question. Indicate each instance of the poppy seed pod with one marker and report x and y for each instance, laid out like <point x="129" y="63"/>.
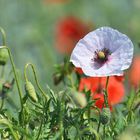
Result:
<point x="105" y="116"/>
<point x="3" y="56"/>
<point x="30" y="90"/>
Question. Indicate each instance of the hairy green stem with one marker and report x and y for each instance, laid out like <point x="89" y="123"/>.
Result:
<point x="41" y="124"/>
<point x="15" y="74"/>
<point x="12" y="63"/>
<point x="35" y="76"/>
<point x="106" y="92"/>
<point x="104" y="132"/>
<point x="2" y="103"/>
<point x="71" y="81"/>
<point x="99" y="124"/>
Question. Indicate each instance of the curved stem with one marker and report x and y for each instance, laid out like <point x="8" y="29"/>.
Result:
<point x="12" y="63"/>
<point x="16" y="78"/>
<point x="15" y="74"/>
<point x="36" y="80"/>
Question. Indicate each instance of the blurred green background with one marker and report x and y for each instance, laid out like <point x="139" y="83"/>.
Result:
<point x="30" y="27"/>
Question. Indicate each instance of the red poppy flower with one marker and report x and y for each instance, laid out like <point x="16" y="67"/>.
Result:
<point x="134" y="72"/>
<point x="97" y="84"/>
<point x="68" y="32"/>
<point x="120" y="78"/>
<point x="78" y="70"/>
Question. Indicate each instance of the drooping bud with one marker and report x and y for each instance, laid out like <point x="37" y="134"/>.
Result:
<point x="3" y="56"/>
<point x="30" y="90"/>
<point x="79" y="98"/>
<point x="105" y="116"/>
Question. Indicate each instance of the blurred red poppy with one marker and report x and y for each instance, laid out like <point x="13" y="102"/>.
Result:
<point x="68" y="32"/>
<point x="134" y="72"/>
<point x="97" y="85"/>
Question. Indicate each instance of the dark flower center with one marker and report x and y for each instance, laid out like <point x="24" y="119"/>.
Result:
<point x="101" y="56"/>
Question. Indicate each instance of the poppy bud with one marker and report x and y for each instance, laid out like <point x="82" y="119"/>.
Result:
<point x="105" y="116"/>
<point x="3" y="56"/>
<point x="79" y="98"/>
<point x="30" y="90"/>
<point x="57" y="78"/>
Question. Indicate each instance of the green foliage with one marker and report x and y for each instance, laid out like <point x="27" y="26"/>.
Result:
<point x="60" y="115"/>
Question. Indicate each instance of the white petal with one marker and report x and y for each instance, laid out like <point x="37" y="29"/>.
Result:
<point x="81" y="54"/>
<point x="119" y="44"/>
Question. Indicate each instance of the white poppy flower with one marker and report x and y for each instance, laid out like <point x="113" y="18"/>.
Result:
<point x="103" y="52"/>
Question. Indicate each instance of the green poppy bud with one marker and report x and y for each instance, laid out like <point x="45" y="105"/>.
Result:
<point x="105" y="116"/>
<point x="30" y="90"/>
<point x="79" y="98"/>
<point x="3" y="56"/>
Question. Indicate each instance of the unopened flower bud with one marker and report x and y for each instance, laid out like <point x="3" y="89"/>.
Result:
<point x="80" y="99"/>
<point x="105" y="116"/>
<point x="3" y="56"/>
<point x="30" y="90"/>
<point x="57" y="78"/>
